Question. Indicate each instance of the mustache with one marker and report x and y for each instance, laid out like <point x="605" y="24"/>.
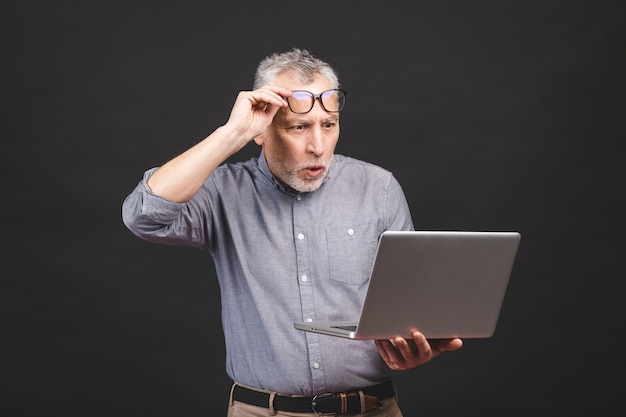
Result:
<point x="317" y="162"/>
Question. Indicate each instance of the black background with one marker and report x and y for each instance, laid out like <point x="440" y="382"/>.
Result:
<point x="493" y="116"/>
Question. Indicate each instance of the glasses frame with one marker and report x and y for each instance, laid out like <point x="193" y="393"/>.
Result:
<point x="316" y="97"/>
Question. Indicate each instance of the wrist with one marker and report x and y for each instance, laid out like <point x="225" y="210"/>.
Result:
<point x="230" y="138"/>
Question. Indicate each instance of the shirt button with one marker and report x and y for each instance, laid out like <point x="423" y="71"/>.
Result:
<point x="316" y="365"/>
<point x="350" y="231"/>
<point x="298" y="197"/>
<point x="300" y="236"/>
<point x="304" y="278"/>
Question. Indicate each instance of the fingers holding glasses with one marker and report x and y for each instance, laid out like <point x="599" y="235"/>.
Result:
<point x="298" y="101"/>
<point x="254" y="110"/>
<point x="267" y="96"/>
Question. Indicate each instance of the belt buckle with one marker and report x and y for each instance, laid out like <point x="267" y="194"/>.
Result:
<point x="314" y="404"/>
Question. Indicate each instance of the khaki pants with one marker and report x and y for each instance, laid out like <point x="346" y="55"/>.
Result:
<point x="238" y="409"/>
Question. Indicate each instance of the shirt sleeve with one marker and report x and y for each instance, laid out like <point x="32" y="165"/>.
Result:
<point x="399" y="214"/>
<point x="156" y="219"/>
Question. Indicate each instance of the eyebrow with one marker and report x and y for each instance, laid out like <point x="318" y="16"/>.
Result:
<point x="297" y="120"/>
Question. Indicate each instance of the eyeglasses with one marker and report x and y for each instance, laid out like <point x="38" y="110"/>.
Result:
<point x="302" y="101"/>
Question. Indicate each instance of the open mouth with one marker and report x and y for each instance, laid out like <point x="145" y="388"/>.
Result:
<point x="314" y="171"/>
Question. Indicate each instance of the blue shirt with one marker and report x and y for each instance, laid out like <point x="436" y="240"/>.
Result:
<point x="282" y="256"/>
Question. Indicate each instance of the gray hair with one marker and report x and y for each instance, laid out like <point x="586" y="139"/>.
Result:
<point x="300" y="62"/>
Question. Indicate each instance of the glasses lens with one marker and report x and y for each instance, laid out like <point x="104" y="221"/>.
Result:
<point x="300" y="101"/>
<point x="333" y="100"/>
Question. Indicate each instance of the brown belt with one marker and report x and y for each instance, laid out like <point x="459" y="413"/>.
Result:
<point x="354" y="401"/>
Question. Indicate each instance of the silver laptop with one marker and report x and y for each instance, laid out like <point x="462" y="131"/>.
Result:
<point x="443" y="283"/>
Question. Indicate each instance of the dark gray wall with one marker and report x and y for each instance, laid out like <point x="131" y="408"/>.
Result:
<point x="493" y="116"/>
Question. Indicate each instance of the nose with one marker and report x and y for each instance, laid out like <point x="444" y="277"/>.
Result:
<point x="315" y="141"/>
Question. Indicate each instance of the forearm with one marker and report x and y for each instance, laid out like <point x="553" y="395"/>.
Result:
<point x="181" y="177"/>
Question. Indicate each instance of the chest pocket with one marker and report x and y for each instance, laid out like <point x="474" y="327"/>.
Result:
<point x="351" y="251"/>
